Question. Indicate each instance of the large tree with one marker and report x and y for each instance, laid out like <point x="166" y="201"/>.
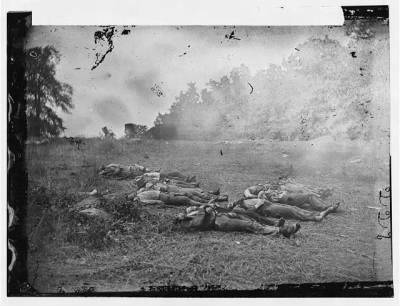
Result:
<point x="45" y="95"/>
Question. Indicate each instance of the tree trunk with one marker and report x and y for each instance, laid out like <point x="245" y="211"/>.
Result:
<point x="34" y="128"/>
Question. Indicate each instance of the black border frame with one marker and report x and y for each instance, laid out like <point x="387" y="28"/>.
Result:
<point x="18" y="24"/>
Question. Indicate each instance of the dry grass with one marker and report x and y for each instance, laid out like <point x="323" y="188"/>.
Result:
<point x="151" y="252"/>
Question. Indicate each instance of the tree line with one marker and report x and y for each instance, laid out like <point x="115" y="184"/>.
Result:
<point x="322" y="88"/>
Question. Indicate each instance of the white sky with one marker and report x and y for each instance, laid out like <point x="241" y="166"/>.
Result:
<point x="119" y="90"/>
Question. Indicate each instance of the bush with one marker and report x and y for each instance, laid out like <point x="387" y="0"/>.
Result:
<point x="96" y="233"/>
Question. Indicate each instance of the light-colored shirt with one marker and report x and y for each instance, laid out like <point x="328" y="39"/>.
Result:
<point x="152" y="176"/>
<point x="252" y="191"/>
<point x="273" y="195"/>
<point x="149" y="197"/>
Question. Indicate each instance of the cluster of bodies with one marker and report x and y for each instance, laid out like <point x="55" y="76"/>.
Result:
<point x="263" y="209"/>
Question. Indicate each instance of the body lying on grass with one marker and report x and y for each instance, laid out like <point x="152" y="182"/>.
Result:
<point x="194" y="193"/>
<point x="290" y="185"/>
<point x="172" y="198"/>
<point x="118" y="171"/>
<point x="288" y="193"/>
<point x="207" y="217"/>
<point x="150" y="178"/>
<point x="269" y="209"/>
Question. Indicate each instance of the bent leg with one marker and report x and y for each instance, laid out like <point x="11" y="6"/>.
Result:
<point x="327" y="211"/>
<point x="317" y="204"/>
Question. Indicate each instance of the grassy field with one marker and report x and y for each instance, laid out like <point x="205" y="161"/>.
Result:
<point x="151" y="252"/>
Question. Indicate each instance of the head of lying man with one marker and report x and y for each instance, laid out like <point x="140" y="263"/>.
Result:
<point x="179" y="218"/>
<point x="196" y="218"/>
<point x="109" y="168"/>
<point x="140" y="181"/>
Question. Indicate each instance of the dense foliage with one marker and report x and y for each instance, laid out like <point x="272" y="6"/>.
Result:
<point x="45" y="95"/>
<point x="322" y="88"/>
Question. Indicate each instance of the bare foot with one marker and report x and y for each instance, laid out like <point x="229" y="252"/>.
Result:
<point x="319" y="217"/>
<point x="327" y="211"/>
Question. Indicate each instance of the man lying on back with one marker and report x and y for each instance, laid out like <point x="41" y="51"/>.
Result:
<point x="269" y="209"/>
<point x="287" y="192"/>
<point x="188" y="189"/>
<point x="207" y="217"/>
<point x="165" y="198"/>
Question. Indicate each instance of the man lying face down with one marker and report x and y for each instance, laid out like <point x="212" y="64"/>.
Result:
<point x="207" y="217"/>
<point x="290" y="193"/>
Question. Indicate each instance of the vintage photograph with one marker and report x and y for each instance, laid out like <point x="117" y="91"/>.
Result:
<point x="175" y="160"/>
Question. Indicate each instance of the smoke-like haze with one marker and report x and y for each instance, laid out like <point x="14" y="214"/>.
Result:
<point x="111" y="110"/>
<point x="169" y="57"/>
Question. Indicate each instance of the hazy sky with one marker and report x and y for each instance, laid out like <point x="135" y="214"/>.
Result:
<point x="119" y="90"/>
